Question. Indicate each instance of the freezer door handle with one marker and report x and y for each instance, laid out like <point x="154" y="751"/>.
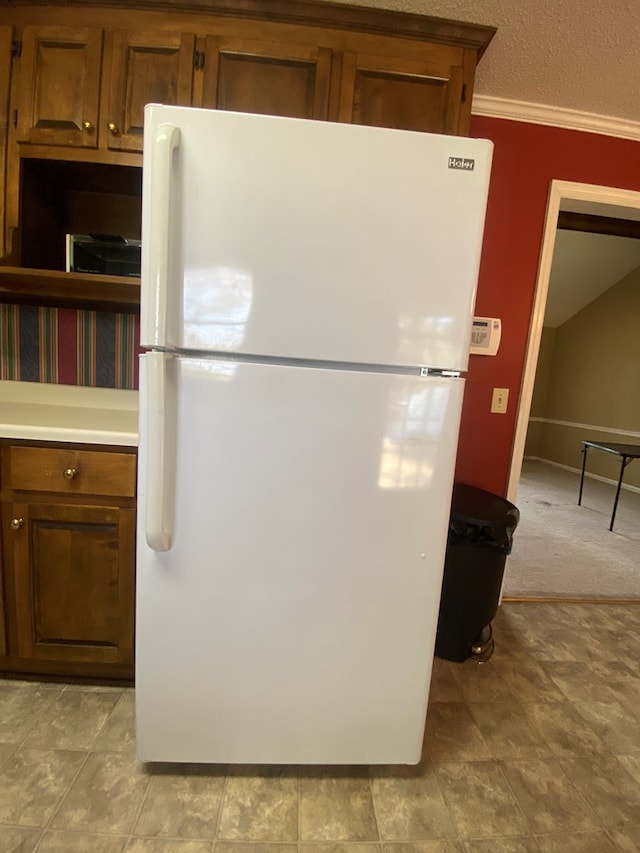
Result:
<point x="160" y="438"/>
<point x="155" y="310"/>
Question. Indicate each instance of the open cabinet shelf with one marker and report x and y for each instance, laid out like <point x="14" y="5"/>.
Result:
<point x="23" y="286"/>
<point x="61" y="197"/>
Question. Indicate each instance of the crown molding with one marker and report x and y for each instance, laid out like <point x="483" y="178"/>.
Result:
<point x="486" y="105"/>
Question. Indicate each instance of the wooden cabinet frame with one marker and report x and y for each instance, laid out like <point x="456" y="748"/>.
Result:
<point x="6" y="40"/>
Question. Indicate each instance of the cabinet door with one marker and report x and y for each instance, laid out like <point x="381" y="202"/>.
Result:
<point x="146" y="68"/>
<point x="60" y="86"/>
<point x="72" y="581"/>
<point x="3" y="618"/>
<point x="401" y="92"/>
<point x="5" y="71"/>
<point x="251" y="76"/>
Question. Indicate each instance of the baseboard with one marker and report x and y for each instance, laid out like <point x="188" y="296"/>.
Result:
<point x="549" y="599"/>
<point x="587" y="474"/>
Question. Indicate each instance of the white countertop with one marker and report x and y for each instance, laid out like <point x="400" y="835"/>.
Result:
<point x="47" y="412"/>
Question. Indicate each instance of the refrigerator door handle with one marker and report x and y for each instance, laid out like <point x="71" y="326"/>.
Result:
<point x="160" y="438"/>
<point x="154" y="312"/>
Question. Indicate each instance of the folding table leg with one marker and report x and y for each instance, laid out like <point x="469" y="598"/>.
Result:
<point x="584" y="462"/>
<point x="624" y="461"/>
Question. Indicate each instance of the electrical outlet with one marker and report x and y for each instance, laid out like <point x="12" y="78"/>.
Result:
<point x="499" y="400"/>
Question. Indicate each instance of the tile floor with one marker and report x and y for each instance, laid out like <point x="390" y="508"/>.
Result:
<point x="536" y="750"/>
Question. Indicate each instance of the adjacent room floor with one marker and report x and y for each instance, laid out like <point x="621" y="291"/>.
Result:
<point x="562" y="550"/>
<point x="538" y="749"/>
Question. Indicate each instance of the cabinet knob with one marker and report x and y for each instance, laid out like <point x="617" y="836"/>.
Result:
<point x="115" y="130"/>
<point x="70" y="473"/>
<point x="88" y="126"/>
<point x="16" y="523"/>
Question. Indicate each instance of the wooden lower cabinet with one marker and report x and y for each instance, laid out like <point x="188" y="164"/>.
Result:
<point x="3" y="621"/>
<point x="68" y="562"/>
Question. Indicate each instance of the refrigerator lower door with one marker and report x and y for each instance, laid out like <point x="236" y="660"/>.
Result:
<point x="292" y="618"/>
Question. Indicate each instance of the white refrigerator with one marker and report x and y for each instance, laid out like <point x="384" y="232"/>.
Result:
<point x="307" y="298"/>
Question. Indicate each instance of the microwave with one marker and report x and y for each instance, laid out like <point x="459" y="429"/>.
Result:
<point x="103" y="254"/>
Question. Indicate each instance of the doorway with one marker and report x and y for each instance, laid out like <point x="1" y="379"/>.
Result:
<point x="547" y="493"/>
<point x="578" y="198"/>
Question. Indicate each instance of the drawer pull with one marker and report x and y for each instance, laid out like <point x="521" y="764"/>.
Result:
<point x="113" y="128"/>
<point x="88" y="126"/>
<point x="70" y="473"/>
<point x="16" y="523"/>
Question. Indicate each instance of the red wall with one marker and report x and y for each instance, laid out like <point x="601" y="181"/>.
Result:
<point x="526" y="159"/>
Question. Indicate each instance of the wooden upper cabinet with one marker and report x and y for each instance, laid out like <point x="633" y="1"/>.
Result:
<point x="60" y="85"/>
<point x="88" y="88"/>
<point x="146" y="68"/>
<point x="405" y="93"/>
<point x="251" y="76"/>
<point x="87" y="70"/>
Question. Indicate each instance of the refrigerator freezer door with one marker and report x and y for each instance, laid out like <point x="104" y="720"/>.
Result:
<point x="311" y="240"/>
<point x="293" y="618"/>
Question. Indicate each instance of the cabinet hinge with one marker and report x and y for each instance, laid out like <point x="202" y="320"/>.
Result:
<point x="198" y="60"/>
<point x="464" y="93"/>
<point x="16" y="49"/>
<point x="15" y="118"/>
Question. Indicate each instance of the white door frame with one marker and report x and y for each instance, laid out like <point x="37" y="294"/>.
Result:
<point x="599" y="200"/>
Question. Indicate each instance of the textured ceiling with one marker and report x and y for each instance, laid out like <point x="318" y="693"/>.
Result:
<point x="581" y="55"/>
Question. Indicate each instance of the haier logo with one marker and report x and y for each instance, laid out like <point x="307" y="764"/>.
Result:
<point x="462" y="163"/>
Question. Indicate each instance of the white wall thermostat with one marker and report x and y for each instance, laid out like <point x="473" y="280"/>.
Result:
<point x="485" y="335"/>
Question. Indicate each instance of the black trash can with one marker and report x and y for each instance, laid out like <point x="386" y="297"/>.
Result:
<point x="481" y="530"/>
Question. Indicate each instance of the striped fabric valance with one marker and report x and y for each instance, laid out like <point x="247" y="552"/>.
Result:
<point x="69" y="347"/>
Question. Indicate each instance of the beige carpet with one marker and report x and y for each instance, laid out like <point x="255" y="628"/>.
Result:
<point x="564" y="550"/>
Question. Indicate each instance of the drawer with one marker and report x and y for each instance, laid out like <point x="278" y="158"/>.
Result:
<point x="72" y="472"/>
